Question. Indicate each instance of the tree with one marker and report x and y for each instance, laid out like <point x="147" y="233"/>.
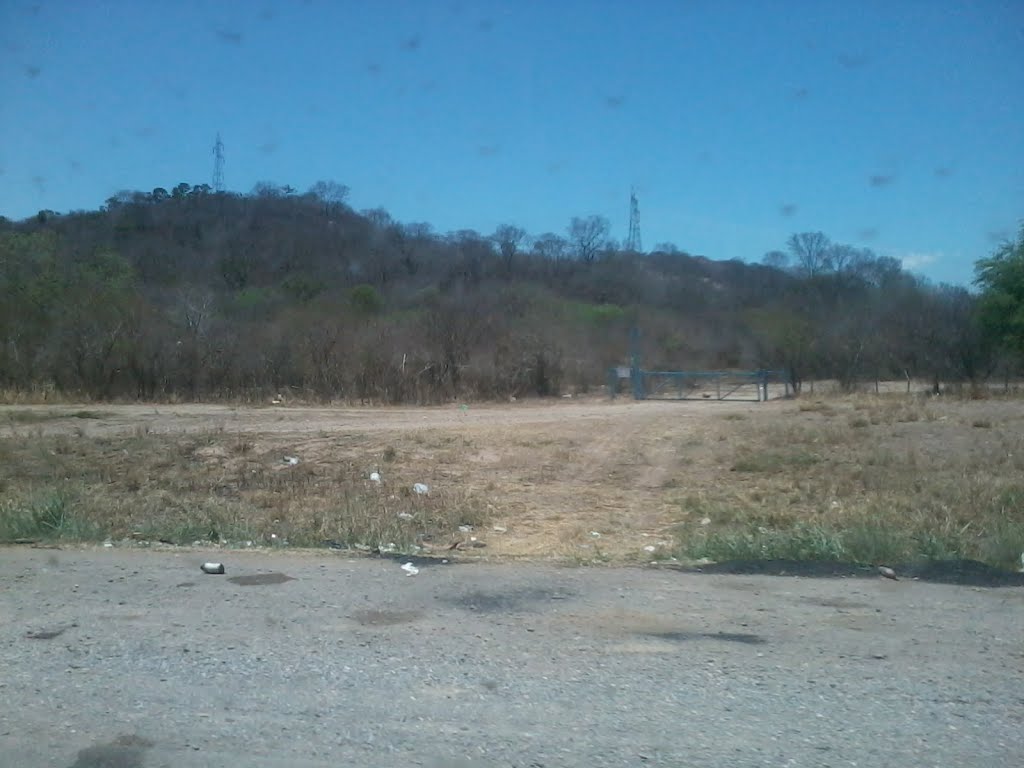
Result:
<point x="550" y="246"/>
<point x="776" y="259"/>
<point x="331" y="195"/>
<point x="588" y="235"/>
<point x="1001" y="280"/>
<point x="508" y="238"/>
<point x="811" y="251"/>
<point x="788" y="338"/>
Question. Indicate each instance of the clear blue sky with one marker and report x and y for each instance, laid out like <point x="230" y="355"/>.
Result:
<point x="895" y="125"/>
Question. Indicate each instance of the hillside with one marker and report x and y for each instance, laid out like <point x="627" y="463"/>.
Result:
<point x="199" y="295"/>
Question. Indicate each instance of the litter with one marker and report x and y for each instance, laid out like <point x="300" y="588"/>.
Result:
<point x="291" y="461"/>
<point x="405" y="516"/>
<point x="465" y="528"/>
<point x="421" y="488"/>
<point x="375" y="477"/>
<point x="705" y="521"/>
<point x="649" y="548"/>
<point x="410" y="569"/>
<point x="212" y="568"/>
<point x="500" y="529"/>
<point x="595" y="534"/>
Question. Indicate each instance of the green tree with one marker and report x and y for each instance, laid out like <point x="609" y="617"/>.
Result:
<point x="1001" y="280"/>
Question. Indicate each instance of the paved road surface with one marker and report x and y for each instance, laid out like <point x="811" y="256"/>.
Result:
<point x="135" y="659"/>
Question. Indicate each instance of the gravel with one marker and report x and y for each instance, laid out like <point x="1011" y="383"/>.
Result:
<point x="136" y="659"/>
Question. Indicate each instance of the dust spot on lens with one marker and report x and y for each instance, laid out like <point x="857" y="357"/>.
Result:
<point x="229" y="36"/>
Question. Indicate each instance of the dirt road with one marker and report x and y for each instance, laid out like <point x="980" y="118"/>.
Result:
<point x="136" y="659"/>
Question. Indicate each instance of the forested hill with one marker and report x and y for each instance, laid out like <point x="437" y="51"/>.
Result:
<point x="193" y="294"/>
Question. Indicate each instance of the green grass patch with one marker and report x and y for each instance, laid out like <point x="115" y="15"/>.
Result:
<point x="863" y="543"/>
<point x="49" y="516"/>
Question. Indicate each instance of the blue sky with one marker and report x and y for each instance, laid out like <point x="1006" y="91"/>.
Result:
<point x="895" y="125"/>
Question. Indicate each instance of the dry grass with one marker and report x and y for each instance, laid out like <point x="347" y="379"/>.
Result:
<point x="218" y="487"/>
<point x="870" y="479"/>
<point x="863" y="478"/>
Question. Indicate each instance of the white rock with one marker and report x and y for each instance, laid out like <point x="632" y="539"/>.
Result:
<point x="375" y="477"/>
<point x="421" y="488"/>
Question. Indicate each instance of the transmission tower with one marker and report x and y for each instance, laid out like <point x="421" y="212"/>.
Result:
<point x="218" y="165"/>
<point x="633" y="239"/>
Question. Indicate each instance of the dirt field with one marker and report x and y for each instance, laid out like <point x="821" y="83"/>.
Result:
<point x="585" y="480"/>
<point x="553" y="474"/>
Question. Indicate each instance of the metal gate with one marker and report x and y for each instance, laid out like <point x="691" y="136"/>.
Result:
<point x="735" y="386"/>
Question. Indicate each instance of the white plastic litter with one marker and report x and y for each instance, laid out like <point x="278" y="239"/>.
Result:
<point x="500" y="529"/>
<point x="595" y="534"/>
<point x="465" y="528"/>
<point x="649" y="548"/>
<point x="410" y="569"/>
<point x="405" y="516"/>
<point x="421" y="488"/>
<point x="705" y="521"/>
<point x="375" y="477"/>
<point x="291" y="461"/>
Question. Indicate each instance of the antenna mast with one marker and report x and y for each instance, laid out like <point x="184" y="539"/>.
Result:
<point x="633" y="239"/>
<point x="218" y="165"/>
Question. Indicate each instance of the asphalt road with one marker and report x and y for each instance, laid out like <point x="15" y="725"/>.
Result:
<point x="136" y="659"/>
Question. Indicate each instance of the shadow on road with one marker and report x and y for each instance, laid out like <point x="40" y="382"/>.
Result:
<point x="970" y="573"/>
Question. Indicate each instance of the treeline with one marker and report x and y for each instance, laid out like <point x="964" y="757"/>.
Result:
<point x="193" y="294"/>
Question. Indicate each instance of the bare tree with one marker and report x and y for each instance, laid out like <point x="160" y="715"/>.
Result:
<point x="588" y="235"/>
<point x="509" y="239"/>
<point x="776" y="259"/>
<point x="550" y="246"/>
<point x="331" y="194"/>
<point x="812" y="252"/>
